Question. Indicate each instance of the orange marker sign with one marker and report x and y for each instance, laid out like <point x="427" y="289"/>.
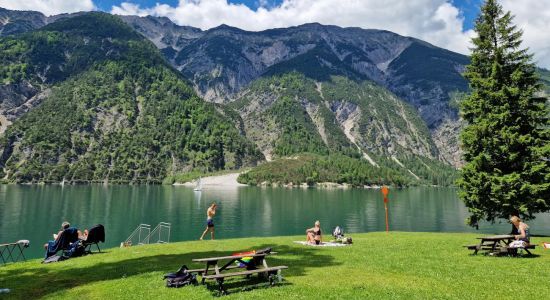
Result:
<point x="385" y="192"/>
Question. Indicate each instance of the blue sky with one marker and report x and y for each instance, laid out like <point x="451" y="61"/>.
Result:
<point x="469" y="9"/>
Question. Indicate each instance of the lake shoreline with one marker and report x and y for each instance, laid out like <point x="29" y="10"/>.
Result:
<point x="230" y="180"/>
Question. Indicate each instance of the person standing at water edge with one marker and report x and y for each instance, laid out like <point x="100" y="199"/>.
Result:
<point x="210" y="220"/>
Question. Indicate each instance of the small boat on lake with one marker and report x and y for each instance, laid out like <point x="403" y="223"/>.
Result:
<point x="198" y="186"/>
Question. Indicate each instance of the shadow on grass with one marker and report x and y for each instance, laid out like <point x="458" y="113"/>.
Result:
<point x="242" y="284"/>
<point x="517" y="256"/>
<point x="40" y="281"/>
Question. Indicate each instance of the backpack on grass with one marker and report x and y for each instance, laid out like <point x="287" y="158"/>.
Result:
<point x="181" y="278"/>
<point x="338" y="232"/>
<point x="76" y="249"/>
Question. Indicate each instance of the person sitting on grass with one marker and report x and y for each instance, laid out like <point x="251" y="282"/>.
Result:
<point x="314" y="235"/>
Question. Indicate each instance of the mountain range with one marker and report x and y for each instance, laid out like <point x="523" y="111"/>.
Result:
<point x="367" y="94"/>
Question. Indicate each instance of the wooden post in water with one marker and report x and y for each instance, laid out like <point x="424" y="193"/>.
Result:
<point x="385" y="192"/>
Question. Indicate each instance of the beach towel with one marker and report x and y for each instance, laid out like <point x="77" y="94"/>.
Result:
<point x="246" y="261"/>
<point x="323" y="244"/>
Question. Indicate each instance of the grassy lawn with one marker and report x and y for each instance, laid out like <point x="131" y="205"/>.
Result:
<point x="378" y="265"/>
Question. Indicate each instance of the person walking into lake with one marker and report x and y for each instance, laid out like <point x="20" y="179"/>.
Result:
<point x="314" y="234"/>
<point x="210" y="213"/>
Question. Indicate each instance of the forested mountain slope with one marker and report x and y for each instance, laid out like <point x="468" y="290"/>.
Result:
<point x="115" y="110"/>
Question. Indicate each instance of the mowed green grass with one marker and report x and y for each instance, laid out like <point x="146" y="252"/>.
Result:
<point x="397" y="265"/>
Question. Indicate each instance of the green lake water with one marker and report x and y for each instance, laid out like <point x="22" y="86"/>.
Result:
<point x="35" y="212"/>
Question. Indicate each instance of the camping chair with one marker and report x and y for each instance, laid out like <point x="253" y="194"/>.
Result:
<point x="95" y="235"/>
<point x="63" y="242"/>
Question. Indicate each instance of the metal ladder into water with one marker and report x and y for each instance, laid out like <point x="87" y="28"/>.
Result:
<point x="143" y="234"/>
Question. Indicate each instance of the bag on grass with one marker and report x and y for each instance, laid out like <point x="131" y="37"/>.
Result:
<point x="347" y="240"/>
<point x="245" y="262"/>
<point x="181" y="278"/>
<point x="517" y="244"/>
<point x="338" y="232"/>
<point x="54" y="258"/>
<point x="77" y="249"/>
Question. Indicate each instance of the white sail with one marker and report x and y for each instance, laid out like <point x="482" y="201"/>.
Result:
<point x="198" y="187"/>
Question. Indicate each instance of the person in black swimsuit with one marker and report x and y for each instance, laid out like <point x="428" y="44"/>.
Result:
<point x="314" y="235"/>
<point x="522" y="229"/>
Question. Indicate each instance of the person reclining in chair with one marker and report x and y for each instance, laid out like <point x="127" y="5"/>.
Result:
<point x="65" y="225"/>
<point x="64" y="239"/>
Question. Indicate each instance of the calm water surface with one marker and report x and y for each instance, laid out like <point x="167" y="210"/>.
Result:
<point x="35" y="212"/>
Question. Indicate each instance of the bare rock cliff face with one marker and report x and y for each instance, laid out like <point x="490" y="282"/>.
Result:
<point x="223" y="61"/>
<point x="14" y="22"/>
<point x="18" y="99"/>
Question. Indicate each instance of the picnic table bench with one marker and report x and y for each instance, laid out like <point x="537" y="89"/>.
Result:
<point x="497" y="244"/>
<point x="10" y="249"/>
<point x="257" y="265"/>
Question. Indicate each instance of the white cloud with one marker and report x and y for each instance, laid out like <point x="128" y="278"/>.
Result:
<point x="533" y="16"/>
<point x="49" y="7"/>
<point x="435" y="21"/>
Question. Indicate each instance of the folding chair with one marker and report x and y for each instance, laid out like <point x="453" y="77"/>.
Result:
<point x="63" y="242"/>
<point x="95" y="235"/>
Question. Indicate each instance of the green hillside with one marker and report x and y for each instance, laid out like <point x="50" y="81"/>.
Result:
<point x="116" y="111"/>
<point x="311" y="169"/>
<point x="362" y="133"/>
<point x="276" y="118"/>
<point x="303" y="115"/>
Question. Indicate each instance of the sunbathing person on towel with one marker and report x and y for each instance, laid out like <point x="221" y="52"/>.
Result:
<point x="314" y="234"/>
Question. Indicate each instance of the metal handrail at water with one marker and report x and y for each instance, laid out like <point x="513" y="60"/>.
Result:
<point x="161" y="227"/>
<point x="142" y="232"/>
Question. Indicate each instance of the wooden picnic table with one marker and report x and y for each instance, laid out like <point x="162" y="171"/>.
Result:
<point x="257" y="265"/>
<point x="497" y="244"/>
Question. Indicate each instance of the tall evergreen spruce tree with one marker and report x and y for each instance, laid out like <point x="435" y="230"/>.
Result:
<point x="506" y="139"/>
